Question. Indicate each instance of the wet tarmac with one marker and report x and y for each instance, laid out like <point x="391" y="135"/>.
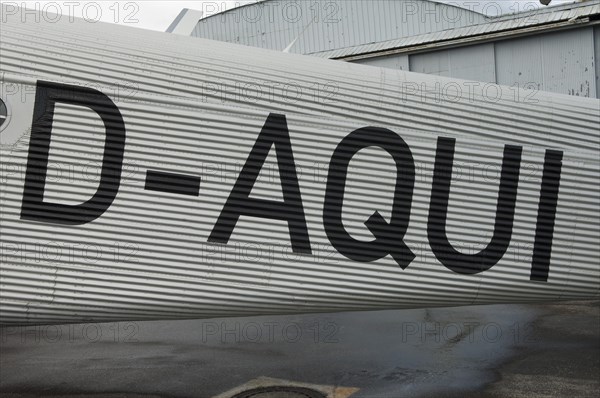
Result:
<point x="486" y="351"/>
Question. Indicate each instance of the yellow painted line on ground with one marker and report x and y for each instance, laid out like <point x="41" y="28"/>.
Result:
<point x="328" y="391"/>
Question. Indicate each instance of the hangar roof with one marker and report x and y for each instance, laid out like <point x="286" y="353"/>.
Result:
<point x="322" y="25"/>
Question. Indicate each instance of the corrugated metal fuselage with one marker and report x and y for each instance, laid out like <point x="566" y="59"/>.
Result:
<point x="151" y="176"/>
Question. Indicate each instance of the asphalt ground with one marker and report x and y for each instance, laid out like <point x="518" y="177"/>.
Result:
<point x="485" y="351"/>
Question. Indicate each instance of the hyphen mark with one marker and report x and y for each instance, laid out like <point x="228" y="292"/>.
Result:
<point x="172" y="183"/>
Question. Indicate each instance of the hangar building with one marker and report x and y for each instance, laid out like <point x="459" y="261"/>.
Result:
<point x="555" y="48"/>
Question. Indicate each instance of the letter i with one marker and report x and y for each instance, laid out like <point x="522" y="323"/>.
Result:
<point x="544" y="230"/>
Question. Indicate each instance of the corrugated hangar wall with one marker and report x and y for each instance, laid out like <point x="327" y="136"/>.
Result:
<point x="563" y="62"/>
<point x="554" y="58"/>
<point x="321" y="25"/>
<point x="473" y="63"/>
<point x="566" y="57"/>
<point x="597" y="58"/>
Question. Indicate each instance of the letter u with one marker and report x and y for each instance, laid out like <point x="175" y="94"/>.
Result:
<point x="438" y="211"/>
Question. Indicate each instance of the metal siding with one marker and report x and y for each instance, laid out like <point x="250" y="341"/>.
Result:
<point x="519" y="62"/>
<point x="187" y="114"/>
<point x="399" y="62"/>
<point x="475" y="63"/>
<point x="504" y="24"/>
<point x="568" y="59"/>
<point x="434" y="63"/>
<point x="351" y="23"/>
<point x="561" y="62"/>
<point x="597" y="58"/>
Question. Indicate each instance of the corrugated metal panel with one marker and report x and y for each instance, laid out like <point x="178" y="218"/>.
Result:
<point x="597" y="58"/>
<point x="398" y="61"/>
<point x="197" y="107"/>
<point x="561" y="62"/>
<point x="323" y="25"/>
<point x="434" y="63"/>
<point x="475" y="63"/>
<point x="550" y="15"/>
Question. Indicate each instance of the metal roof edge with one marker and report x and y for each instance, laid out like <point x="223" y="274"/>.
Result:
<point x="546" y="10"/>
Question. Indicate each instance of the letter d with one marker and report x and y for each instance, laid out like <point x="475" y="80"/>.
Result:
<point x="33" y="206"/>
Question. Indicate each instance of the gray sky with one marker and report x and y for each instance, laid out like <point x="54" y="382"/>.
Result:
<point x="158" y="15"/>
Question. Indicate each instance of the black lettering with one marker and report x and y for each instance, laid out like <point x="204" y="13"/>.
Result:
<point x="388" y="236"/>
<point x="438" y="211"/>
<point x="275" y="131"/>
<point x="180" y="184"/>
<point x="544" y="231"/>
<point x="33" y="206"/>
